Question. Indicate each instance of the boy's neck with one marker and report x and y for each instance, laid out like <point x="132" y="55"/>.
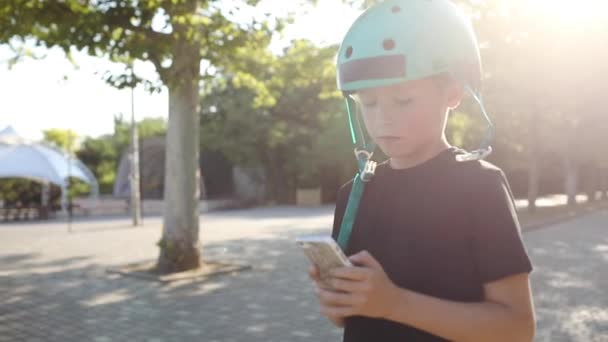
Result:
<point x="419" y="157"/>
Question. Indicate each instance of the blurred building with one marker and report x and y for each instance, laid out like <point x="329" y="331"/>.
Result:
<point x="221" y="180"/>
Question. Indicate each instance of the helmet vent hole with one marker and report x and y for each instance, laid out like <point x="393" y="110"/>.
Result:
<point x="349" y="51"/>
<point x="388" y="44"/>
<point x="396" y="9"/>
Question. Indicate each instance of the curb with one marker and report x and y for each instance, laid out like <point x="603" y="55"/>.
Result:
<point x="576" y="213"/>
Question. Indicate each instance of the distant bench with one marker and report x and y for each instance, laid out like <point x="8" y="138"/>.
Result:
<point x="20" y="214"/>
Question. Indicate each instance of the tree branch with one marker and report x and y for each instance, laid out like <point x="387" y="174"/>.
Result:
<point x="121" y="18"/>
<point x="155" y="58"/>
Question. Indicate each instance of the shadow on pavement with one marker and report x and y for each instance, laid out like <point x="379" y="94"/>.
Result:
<point x="570" y="280"/>
<point x="66" y="301"/>
<point x="74" y="299"/>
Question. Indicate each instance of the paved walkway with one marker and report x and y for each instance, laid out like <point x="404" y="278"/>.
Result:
<point x="53" y="285"/>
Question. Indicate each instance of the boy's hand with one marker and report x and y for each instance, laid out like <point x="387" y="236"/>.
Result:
<point x="364" y="290"/>
<point x="313" y="273"/>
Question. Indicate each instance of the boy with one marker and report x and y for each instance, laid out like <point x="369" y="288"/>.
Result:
<point x="435" y="240"/>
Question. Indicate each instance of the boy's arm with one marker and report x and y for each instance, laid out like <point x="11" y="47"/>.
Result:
<point x="505" y="315"/>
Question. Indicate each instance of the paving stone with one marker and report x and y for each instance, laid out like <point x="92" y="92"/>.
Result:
<point x="57" y="288"/>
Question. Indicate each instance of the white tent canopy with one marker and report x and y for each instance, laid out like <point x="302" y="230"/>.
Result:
<point x="39" y="162"/>
<point x="9" y="136"/>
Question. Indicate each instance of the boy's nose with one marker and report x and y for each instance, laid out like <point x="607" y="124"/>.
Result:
<point x="388" y="116"/>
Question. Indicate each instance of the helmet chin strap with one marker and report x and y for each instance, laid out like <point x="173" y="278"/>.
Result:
<point x="367" y="167"/>
<point x="364" y="150"/>
<point x="484" y="149"/>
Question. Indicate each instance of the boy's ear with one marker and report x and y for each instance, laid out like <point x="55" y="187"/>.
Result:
<point x="454" y="94"/>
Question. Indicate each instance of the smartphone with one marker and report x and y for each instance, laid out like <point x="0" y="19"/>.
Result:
<point x="324" y="252"/>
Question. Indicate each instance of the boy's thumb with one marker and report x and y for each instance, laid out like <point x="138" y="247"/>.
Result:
<point x="363" y="258"/>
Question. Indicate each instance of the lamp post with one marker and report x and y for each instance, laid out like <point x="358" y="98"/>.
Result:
<point x="134" y="158"/>
<point x="69" y="182"/>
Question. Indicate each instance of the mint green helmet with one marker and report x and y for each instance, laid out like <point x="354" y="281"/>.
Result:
<point x="405" y="40"/>
<point x="399" y="41"/>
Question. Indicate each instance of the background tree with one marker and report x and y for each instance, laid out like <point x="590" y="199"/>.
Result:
<point x="102" y="154"/>
<point x="539" y="85"/>
<point x="278" y="115"/>
<point x="177" y="37"/>
<point x="66" y="140"/>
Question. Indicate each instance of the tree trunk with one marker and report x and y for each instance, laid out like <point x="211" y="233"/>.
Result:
<point x="270" y="177"/>
<point x="534" y="164"/>
<point x="280" y="183"/>
<point x="592" y="182"/>
<point x="134" y="181"/>
<point x="571" y="179"/>
<point x="179" y="245"/>
<point x="533" y="184"/>
<point x="603" y="183"/>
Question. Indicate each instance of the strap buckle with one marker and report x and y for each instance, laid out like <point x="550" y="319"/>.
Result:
<point x="362" y="153"/>
<point x="369" y="169"/>
<point x="474" y="155"/>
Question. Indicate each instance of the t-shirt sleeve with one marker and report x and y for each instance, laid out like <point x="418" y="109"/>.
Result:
<point x="341" y="201"/>
<point x="498" y="247"/>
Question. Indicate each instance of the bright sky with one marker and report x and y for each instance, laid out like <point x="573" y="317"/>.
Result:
<point x="34" y="95"/>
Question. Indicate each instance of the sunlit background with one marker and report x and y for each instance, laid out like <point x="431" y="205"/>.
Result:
<point x="544" y="70"/>
<point x="51" y="93"/>
<point x="274" y="145"/>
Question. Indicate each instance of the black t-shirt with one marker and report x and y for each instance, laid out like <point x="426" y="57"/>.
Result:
<point x="442" y="228"/>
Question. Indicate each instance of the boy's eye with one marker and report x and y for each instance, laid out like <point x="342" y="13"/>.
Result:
<point x="403" y="102"/>
<point x="369" y="104"/>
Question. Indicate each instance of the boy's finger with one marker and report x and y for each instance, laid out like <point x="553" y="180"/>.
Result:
<point x="348" y="286"/>
<point x="313" y="273"/>
<point x="350" y="273"/>
<point x="364" y="258"/>
<point x="330" y="311"/>
<point x="332" y="298"/>
<point x="338" y="321"/>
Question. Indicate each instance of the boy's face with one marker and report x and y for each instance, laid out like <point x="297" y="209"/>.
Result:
<point x="408" y="118"/>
